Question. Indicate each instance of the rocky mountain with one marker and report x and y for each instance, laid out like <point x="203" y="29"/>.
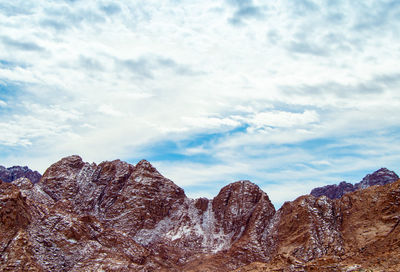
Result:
<point x="380" y="177"/>
<point x="12" y="173"/>
<point x="119" y="217"/>
<point x="333" y="191"/>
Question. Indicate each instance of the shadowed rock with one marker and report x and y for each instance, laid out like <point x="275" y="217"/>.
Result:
<point x="380" y="177"/>
<point x="121" y="217"/>
<point x="12" y="173"/>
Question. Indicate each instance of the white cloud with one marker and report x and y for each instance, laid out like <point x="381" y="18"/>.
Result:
<point x="112" y="80"/>
<point x="283" y="119"/>
<point x="109" y="110"/>
<point x="210" y="122"/>
<point x="287" y="191"/>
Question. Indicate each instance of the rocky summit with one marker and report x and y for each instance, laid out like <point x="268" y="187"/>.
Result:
<point x="120" y="217"/>
<point x="12" y="173"/>
<point x="380" y="177"/>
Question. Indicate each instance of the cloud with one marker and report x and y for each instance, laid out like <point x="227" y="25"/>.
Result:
<point x="374" y="86"/>
<point x="284" y="172"/>
<point x="16" y="8"/>
<point x="376" y="15"/>
<point x="283" y="119"/>
<point x="62" y="16"/>
<point x="307" y="48"/>
<point x="210" y="122"/>
<point x="245" y="10"/>
<point x="139" y="67"/>
<point x="54" y="23"/>
<point x="335" y="28"/>
<point x="288" y="191"/>
<point x="110" y="110"/>
<point x="180" y="69"/>
<point x="303" y="93"/>
<point x="111" y="8"/>
<point x="21" y="45"/>
<point x="146" y="66"/>
<point x="3" y="103"/>
<point x="304" y="7"/>
<point x="90" y="63"/>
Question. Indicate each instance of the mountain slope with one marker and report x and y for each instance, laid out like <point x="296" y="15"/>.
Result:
<point x="368" y="225"/>
<point x="119" y="217"/>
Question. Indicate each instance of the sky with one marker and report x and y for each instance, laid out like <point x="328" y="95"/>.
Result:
<point x="288" y="94"/>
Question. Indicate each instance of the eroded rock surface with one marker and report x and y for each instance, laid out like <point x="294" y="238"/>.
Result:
<point x="121" y="217"/>
<point x="15" y="172"/>
<point x="382" y="176"/>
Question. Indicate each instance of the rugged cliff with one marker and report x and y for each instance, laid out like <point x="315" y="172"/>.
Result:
<point x="15" y="172"/>
<point x="119" y="217"/>
<point x="380" y="177"/>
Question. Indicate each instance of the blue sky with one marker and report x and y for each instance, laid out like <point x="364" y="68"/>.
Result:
<point x="288" y="94"/>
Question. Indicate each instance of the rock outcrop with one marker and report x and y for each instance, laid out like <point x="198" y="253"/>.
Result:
<point x="333" y="191"/>
<point x="12" y="173"/>
<point x="380" y="177"/>
<point x="360" y="232"/>
<point x="121" y="217"/>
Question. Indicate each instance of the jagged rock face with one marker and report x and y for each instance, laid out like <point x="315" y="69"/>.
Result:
<point x="124" y="196"/>
<point x="85" y="216"/>
<point x="307" y="228"/>
<point x="14" y="213"/>
<point x="12" y="173"/>
<point x="118" y="217"/>
<point x="362" y="230"/>
<point x="371" y="216"/>
<point x="146" y="198"/>
<point x="15" y="217"/>
<point x="333" y="191"/>
<point x="87" y="205"/>
<point x="235" y="204"/>
<point x="250" y="245"/>
<point x="380" y="177"/>
<point x="207" y="227"/>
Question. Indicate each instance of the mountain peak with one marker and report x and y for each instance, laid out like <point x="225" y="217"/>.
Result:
<point x="381" y="176"/>
<point x="136" y="219"/>
<point x="333" y="191"/>
<point x="73" y="160"/>
<point x="145" y="168"/>
<point x="145" y="164"/>
<point x="15" y="172"/>
<point x="241" y="186"/>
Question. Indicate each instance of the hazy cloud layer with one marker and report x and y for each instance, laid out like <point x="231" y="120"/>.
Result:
<point x="288" y="94"/>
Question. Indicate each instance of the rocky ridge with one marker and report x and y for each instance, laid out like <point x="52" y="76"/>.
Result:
<point x="15" y="172"/>
<point x="380" y="177"/>
<point x="119" y="217"/>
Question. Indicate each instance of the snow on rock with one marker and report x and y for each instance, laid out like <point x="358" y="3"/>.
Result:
<point x="121" y="217"/>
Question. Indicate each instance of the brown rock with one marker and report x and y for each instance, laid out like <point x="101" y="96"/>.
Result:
<point x="118" y="217"/>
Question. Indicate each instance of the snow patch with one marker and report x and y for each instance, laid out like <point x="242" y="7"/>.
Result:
<point x="188" y="223"/>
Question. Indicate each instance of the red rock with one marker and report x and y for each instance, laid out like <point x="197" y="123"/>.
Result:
<point x="118" y="217"/>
